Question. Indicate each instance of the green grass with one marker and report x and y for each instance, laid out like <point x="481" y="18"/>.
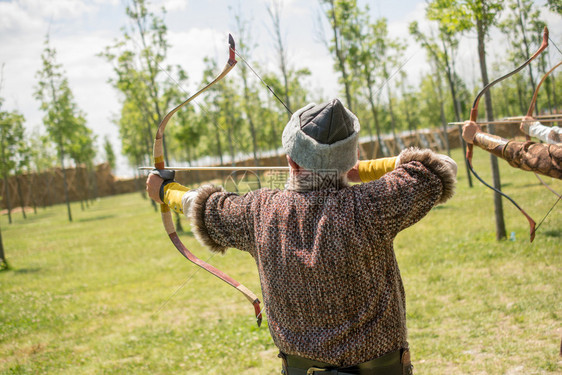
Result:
<point x="96" y="296"/>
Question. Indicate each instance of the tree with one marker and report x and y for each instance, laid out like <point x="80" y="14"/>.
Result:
<point x="141" y="78"/>
<point x="275" y="114"/>
<point x="250" y="102"/>
<point x="11" y="144"/>
<point x="63" y="119"/>
<point x="146" y="86"/>
<point x="188" y="131"/>
<point x="555" y="6"/>
<point x="42" y="158"/>
<point x="109" y="153"/>
<point x="82" y="151"/>
<point x="135" y="140"/>
<point x="521" y="22"/>
<point x="290" y="85"/>
<point x="371" y="57"/>
<point x="213" y="141"/>
<point x="410" y="106"/>
<point x="3" y="262"/>
<point x="22" y="165"/>
<point x="444" y="58"/>
<point x="442" y="50"/>
<point x="341" y="15"/>
<point x="460" y="16"/>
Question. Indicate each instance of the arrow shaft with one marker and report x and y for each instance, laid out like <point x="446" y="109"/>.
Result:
<point x="240" y="168"/>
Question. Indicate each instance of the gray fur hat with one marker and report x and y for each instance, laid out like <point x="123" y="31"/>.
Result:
<point x="322" y="137"/>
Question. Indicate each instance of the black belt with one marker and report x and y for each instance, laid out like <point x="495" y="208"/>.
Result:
<point x="393" y="363"/>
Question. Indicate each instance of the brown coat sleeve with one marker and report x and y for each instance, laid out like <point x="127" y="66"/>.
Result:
<point x="401" y="198"/>
<point x="542" y="158"/>
<point x="221" y="219"/>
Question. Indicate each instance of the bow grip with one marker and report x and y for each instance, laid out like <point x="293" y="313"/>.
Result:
<point x="167" y="175"/>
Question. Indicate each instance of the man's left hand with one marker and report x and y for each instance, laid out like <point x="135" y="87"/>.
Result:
<point x="526" y="124"/>
<point x="469" y="131"/>
<point x="153" y="184"/>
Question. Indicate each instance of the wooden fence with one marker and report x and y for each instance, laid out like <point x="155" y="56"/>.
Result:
<point x="47" y="188"/>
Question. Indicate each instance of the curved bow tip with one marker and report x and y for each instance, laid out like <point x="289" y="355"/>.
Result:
<point x="257" y="309"/>
<point x="545" y="36"/>
<point x="232" y="48"/>
<point x="532" y="226"/>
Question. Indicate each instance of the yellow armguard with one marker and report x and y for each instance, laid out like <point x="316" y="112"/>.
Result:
<point x="370" y="170"/>
<point x="173" y="193"/>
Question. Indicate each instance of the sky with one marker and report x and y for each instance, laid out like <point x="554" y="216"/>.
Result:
<point x="81" y="29"/>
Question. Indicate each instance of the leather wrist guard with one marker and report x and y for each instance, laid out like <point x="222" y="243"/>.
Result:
<point x="491" y="143"/>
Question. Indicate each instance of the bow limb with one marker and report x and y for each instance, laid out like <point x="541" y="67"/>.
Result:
<point x="536" y="93"/>
<point x="158" y="153"/>
<point x="530" y="114"/>
<point x="474" y="116"/>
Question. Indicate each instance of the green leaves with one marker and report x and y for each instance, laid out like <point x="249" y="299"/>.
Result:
<point x="13" y="149"/>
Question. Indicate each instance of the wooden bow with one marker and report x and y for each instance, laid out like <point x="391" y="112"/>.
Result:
<point x="474" y="116"/>
<point x="530" y="114"/>
<point x="158" y="152"/>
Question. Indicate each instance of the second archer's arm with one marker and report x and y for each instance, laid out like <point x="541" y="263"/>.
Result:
<point x="548" y="134"/>
<point x="369" y="170"/>
<point x="545" y="159"/>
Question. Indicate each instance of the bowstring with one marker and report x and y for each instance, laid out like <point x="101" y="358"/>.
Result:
<point x="554" y="44"/>
<point x="548" y="213"/>
<point x="191" y="275"/>
<point x="262" y="81"/>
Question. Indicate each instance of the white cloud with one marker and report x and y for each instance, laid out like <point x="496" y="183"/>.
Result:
<point x="175" y="5"/>
<point x="57" y="9"/>
<point x="16" y="19"/>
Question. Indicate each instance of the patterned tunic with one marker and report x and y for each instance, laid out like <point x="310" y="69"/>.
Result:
<point x="330" y="281"/>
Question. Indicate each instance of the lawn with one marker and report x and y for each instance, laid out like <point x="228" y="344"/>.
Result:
<point x="109" y="294"/>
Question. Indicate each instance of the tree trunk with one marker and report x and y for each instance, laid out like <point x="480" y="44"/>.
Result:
<point x="65" y="182"/>
<point x="3" y="261"/>
<point x="375" y="114"/>
<point x="250" y="118"/>
<point x="219" y="144"/>
<point x="442" y="113"/>
<point x="339" y="56"/>
<point x="275" y="15"/>
<point x="33" y="198"/>
<point x="456" y="106"/>
<point x="20" y="195"/>
<point x="7" y="195"/>
<point x="498" y="203"/>
<point x="526" y="45"/>
<point x="377" y="126"/>
<point x="392" y="118"/>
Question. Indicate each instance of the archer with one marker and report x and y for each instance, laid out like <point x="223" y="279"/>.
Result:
<point x="332" y="288"/>
<point x="543" y="158"/>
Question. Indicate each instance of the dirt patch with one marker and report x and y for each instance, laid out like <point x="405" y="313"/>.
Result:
<point x="17" y="210"/>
